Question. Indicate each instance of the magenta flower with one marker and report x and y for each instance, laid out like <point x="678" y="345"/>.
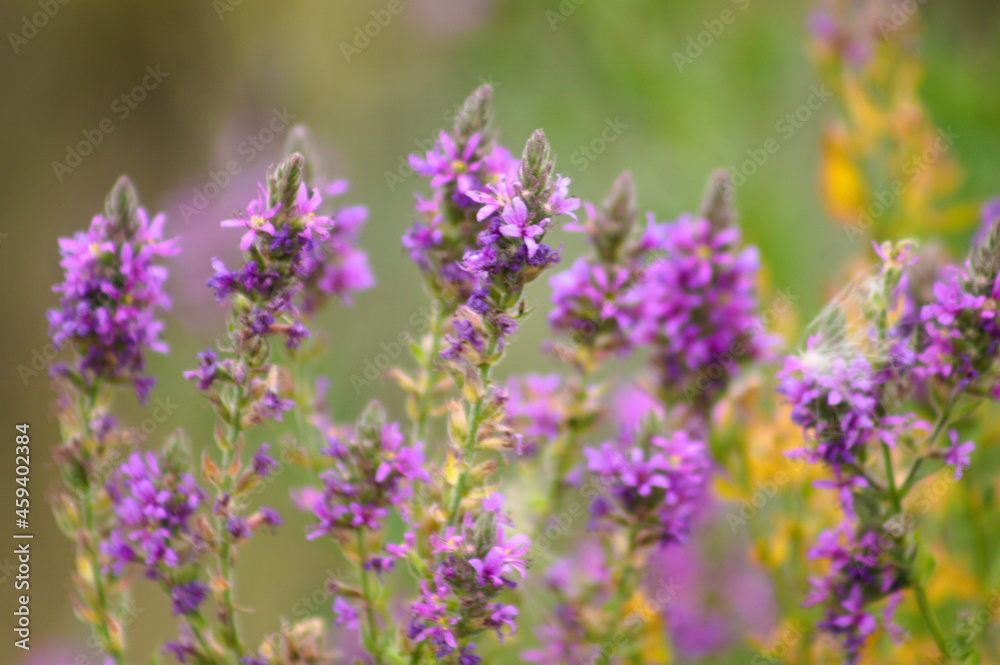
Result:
<point x="450" y="542"/>
<point x="258" y="219"/>
<point x="500" y="616"/>
<point x="344" y="614"/>
<point x="494" y="197"/>
<point x="560" y="203"/>
<point x="959" y="454"/>
<point x="304" y="209"/>
<point x="446" y="164"/>
<point x="514" y="550"/>
<point x="406" y="461"/>
<point x="515" y="218"/>
<point x="491" y="568"/>
<point x="112" y="294"/>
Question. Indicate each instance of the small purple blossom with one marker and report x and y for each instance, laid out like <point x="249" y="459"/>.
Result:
<point x="187" y="597"/>
<point x="959" y="454"/>
<point x="344" y="614"/>
<point x="154" y="509"/>
<point x="257" y="220"/>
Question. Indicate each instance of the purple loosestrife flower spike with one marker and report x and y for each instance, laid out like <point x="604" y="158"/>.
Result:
<point x="112" y="293"/>
<point x="467" y="169"/>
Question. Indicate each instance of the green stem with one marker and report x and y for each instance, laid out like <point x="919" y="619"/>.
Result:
<point x="890" y="477"/>
<point x="426" y="367"/>
<point x="230" y="630"/>
<point x="931" y="620"/>
<point x="918" y="588"/>
<point x="475" y="415"/>
<point x="87" y="504"/>
<point x="563" y="460"/>
<point x="370" y="633"/>
<point x="625" y="590"/>
<point x="103" y="628"/>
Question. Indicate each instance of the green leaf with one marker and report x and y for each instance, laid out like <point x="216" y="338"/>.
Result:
<point x="923" y="565"/>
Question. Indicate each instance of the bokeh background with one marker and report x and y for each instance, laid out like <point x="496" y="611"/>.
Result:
<point x="236" y="67"/>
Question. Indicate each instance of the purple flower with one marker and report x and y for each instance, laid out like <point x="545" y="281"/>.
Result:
<point x="536" y="408"/>
<point x="154" y="510"/>
<point x="270" y="517"/>
<point x="405" y="461"/>
<point x="272" y="406"/>
<point x="223" y="281"/>
<point x="491" y="568"/>
<point x="257" y="219"/>
<point x="658" y="489"/>
<point x="514" y="550"/>
<point x="264" y="464"/>
<point x="447" y="162"/>
<point x="207" y="369"/>
<point x="502" y="615"/>
<point x="560" y="203"/>
<point x="112" y="294"/>
<point x="959" y="454"/>
<point x="450" y="542"/>
<point x="431" y="620"/>
<point x="344" y="614"/>
<point x="515" y="218"/>
<point x="495" y="197"/>
<point x="696" y="306"/>
<point x="834" y="399"/>
<point x="304" y="209"/>
<point x="187" y="597"/>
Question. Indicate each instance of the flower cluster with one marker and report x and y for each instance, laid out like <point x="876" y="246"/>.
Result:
<point x="836" y="400"/>
<point x="861" y="399"/>
<point x="588" y="298"/>
<point x="961" y="324"/>
<point x="371" y="472"/>
<point x="537" y="409"/>
<point x="477" y="562"/>
<point x="685" y="289"/>
<point x="653" y="483"/>
<point x="696" y="306"/>
<point x="113" y="292"/>
<point x="860" y="572"/>
<point x="335" y="266"/>
<point x="509" y="253"/>
<point x="464" y="165"/>
<point x="291" y="248"/>
<point x="155" y="505"/>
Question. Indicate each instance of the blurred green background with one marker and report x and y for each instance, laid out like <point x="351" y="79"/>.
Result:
<point x="569" y="67"/>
